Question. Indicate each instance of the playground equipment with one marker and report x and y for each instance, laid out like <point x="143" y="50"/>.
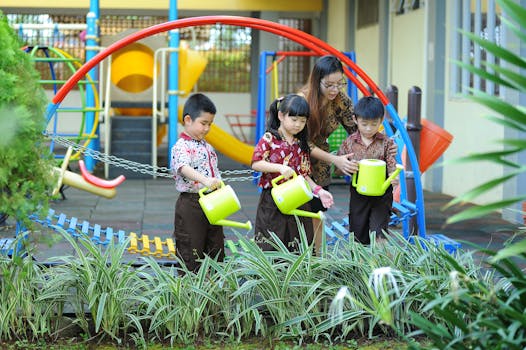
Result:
<point x="84" y="182"/>
<point x="52" y="56"/>
<point x="98" y="181"/>
<point x="433" y="143"/>
<point x="292" y="194"/>
<point x="370" y="179"/>
<point x="354" y="73"/>
<point x="220" y="204"/>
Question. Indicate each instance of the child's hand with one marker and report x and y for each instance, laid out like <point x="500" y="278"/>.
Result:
<point x="353" y="167"/>
<point x="393" y="149"/>
<point x="286" y="171"/>
<point x="212" y="183"/>
<point x="326" y="198"/>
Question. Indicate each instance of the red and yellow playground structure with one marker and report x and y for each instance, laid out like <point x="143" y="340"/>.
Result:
<point x="139" y="78"/>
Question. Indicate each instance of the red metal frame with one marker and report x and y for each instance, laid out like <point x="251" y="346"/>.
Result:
<point x="309" y="41"/>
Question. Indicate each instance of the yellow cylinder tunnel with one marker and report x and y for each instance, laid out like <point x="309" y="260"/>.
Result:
<point x="132" y="68"/>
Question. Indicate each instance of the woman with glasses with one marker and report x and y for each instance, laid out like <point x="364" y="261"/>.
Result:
<point x="330" y="107"/>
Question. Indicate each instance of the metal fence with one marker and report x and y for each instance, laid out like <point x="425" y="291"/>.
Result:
<point x="227" y="48"/>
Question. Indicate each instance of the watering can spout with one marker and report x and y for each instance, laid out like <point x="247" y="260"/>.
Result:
<point x="387" y="182"/>
<point x="245" y="225"/>
<point x="309" y="214"/>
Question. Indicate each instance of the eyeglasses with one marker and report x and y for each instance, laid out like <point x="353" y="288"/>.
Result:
<point x="337" y="86"/>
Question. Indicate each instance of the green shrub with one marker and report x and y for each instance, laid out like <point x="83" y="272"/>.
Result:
<point x="25" y="165"/>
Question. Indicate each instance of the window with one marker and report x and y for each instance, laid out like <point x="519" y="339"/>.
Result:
<point x="480" y="18"/>
<point x="368" y="13"/>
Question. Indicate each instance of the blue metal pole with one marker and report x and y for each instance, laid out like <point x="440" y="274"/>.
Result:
<point x="92" y="41"/>
<point x="173" y="82"/>
<point x="419" y="201"/>
<point x="352" y="90"/>
<point x="262" y="94"/>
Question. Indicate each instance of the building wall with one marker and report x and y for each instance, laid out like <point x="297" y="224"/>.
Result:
<point x="337" y="24"/>
<point x="472" y="134"/>
<point x="368" y="51"/>
<point x="406" y="63"/>
<point x="462" y="118"/>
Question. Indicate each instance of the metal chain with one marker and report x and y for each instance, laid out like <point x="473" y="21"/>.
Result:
<point x="141" y="167"/>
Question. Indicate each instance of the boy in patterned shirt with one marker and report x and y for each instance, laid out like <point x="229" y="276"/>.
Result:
<point x="369" y="213"/>
<point x="194" y="166"/>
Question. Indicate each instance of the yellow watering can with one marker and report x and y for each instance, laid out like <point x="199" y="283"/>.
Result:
<point x="370" y="179"/>
<point x="292" y="194"/>
<point x="220" y="204"/>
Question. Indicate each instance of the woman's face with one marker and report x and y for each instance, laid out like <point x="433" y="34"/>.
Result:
<point x="331" y="85"/>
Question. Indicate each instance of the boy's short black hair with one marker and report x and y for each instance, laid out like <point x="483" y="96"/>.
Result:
<point x="197" y="104"/>
<point x="369" y="107"/>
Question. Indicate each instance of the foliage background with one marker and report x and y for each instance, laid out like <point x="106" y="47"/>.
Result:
<point x="25" y="162"/>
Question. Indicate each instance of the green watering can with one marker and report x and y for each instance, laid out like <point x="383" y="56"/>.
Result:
<point x="370" y="179"/>
<point x="220" y="204"/>
<point x="292" y="194"/>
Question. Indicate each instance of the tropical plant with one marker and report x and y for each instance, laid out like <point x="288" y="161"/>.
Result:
<point x="487" y="313"/>
<point x="25" y="164"/>
<point x="510" y="116"/>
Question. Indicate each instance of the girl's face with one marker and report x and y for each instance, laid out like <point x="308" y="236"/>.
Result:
<point x="332" y="84"/>
<point x="198" y="128"/>
<point x="291" y="125"/>
<point x="368" y="127"/>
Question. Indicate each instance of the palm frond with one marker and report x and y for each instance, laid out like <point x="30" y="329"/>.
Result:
<point x="478" y="211"/>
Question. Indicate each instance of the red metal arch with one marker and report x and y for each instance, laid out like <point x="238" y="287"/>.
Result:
<point x="307" y="40"/>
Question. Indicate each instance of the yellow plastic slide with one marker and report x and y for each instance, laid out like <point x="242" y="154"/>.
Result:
<point x="229" y="145"/>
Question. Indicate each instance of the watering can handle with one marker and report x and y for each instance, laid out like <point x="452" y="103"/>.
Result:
<point x="204" y="189"/>
<point x="275" y="180"/>
<point x="355" y="179"/>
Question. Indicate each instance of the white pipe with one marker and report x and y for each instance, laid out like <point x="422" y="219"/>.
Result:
<point x="58" y="26"/>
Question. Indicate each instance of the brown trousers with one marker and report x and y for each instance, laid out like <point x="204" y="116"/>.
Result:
<point x="194" y="235"/>
<point x="269" y="218"/>
<point x="368" y="214"/>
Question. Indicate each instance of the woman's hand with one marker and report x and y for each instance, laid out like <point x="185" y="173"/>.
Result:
<point x="345" y="164"/>
<point x="326" y="198"/>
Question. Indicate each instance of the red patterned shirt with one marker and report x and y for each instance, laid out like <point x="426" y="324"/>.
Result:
<point x="198" y="155"/>
<point x="378" y="149"/>
<point x="272" y="150"/>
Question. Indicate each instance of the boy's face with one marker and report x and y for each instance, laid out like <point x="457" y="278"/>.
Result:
<point x="198" y="128"/>
<point x="368" y="127"/>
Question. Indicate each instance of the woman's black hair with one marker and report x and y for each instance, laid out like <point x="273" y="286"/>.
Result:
<point x="293" y="105"/>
